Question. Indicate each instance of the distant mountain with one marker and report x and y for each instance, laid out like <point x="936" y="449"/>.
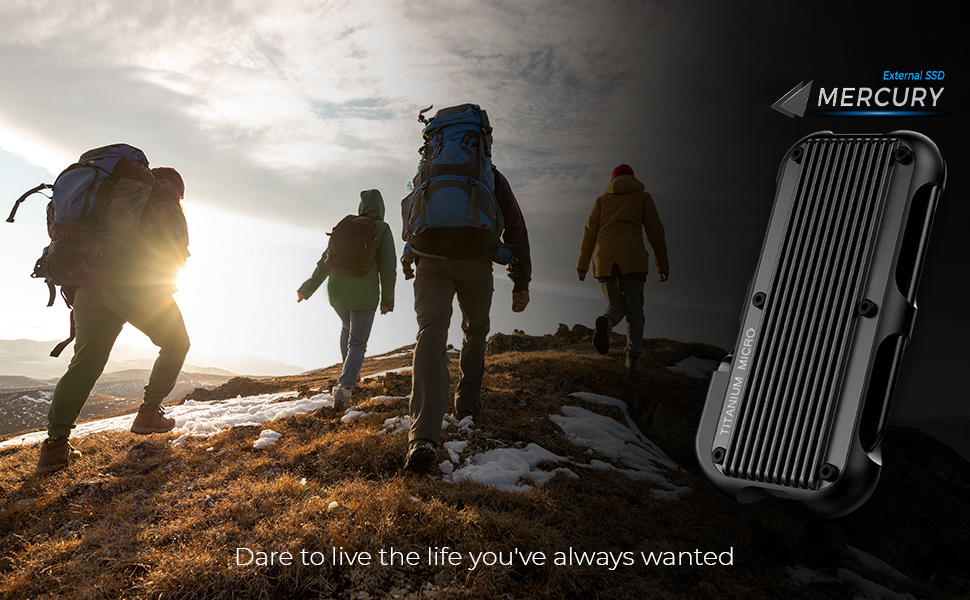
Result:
<point x="17" y="381"/>
<point x="25" y="407"/>
<point x="25" y="348"/>
<point x="30" y="358"/>
<point x="26" y="410"/>
<point x="248" y="364"/>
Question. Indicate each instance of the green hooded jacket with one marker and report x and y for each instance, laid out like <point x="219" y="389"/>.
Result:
<point x="363" y="292"/>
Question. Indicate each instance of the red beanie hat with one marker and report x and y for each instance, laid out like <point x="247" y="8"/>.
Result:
<point x="171" y="175"/>
<point x="622" y="170"/>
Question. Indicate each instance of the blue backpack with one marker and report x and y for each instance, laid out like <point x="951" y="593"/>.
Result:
<point x="76" y="188"/>
<point x="452" y="211"/>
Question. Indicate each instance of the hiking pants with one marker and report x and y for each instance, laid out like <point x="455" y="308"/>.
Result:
<point x="354" y="334"/>
<point x="99" y="315"/>
<point x="436" y="283"/>
<point x="625" y="297"/>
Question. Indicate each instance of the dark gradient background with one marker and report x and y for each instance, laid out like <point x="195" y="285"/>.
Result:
<point x="754" y="55"/>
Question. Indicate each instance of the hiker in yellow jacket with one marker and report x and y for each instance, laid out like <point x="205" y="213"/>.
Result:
<point x="613" y="240"/>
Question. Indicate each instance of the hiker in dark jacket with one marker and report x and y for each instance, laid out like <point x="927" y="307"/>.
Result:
<point x="437" y="281"/>
<point x="138" y="291"/>
<point x="356" y="298"/>
<point x="613" y="239"/>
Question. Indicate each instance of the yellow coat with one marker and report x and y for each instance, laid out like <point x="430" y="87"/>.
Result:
<point x="613" y="231"/>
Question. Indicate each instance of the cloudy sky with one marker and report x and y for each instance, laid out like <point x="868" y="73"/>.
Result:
<point x="278" y="113"/>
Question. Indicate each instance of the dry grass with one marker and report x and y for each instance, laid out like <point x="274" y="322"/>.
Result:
<point x="142" y="518"/>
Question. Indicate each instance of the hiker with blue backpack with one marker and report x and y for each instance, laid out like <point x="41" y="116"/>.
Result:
<point x="360" y="263"/>
<point x="459" y="219"/>
<point x="118" y="242"/>
<point x="613" y="240"/>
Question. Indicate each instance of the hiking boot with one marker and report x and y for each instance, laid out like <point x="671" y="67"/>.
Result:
<point x="342" y="397"/>
<point x="151" y="419"/>
<point x="601" y="339"/>
<point x="420" y="457"/>
<point x="56" y="454"/>
<point x="632" y="365"/>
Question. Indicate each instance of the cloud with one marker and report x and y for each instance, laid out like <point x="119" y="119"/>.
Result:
<point x="315" y="90"/>
<point x="285" y="110"/>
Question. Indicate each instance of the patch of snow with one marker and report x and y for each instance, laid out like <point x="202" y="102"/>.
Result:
<point x="202" y="419"/>
<point x="454" y="448"/>
<point x="700" y="368"/>
<point x="463" y="425"/>
<point x="874" y="564"/>
<point x="610" y="438"/>
<point x="805" y="576"/>
<point x="396" y="424"/>
<point x="502" y="468"/>
<point x="627" y="445"/>
<point x="333" y="505"/>
<point x="398" y="370"/>
<point x="45" y="398"/>
<point x="600" y="399"/>
<point x="446" y="467"/>
<point x="869" y="589"/>
<point x="267" y="438"/>
<point x="409" y="352"/>
<point x="353" y="415"/>
<point x="325" y="397"/>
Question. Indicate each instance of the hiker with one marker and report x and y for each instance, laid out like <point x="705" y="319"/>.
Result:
<point x="361" y="277"/>
<point x="437" y="281"/>
<point x="136" y="290"/>
<point x="460" y="217"/>
<point x="613" y="240"/>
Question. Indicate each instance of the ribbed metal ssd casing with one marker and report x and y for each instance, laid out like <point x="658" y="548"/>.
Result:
<point x="799" y="408"/>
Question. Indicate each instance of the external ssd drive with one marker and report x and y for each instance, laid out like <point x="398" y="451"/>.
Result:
<point x="799" y="408"/>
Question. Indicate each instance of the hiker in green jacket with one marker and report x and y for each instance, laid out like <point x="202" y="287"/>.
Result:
<point x="356" y="297"/>
<point x="613" y="240"/>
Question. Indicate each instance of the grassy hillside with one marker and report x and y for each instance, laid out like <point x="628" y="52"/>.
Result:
<point x="139" y="517"/>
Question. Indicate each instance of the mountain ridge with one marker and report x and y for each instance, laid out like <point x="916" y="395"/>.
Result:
<point x="31" y="358"/>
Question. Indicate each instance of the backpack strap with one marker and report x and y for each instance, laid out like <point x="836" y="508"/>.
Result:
<point x="60" y="347"/>
<point x="16" y="205"/>
<point x="53" y="293"/>
<point x="421" y="116"/>
<point x="67" y="292"/>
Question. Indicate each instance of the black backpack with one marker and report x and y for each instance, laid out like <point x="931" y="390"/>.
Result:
<point x="353" y="246"/>
<point x="92" y="219"/>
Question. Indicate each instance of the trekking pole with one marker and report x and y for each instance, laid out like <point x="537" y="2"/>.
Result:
<point x="16" y="205"/>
